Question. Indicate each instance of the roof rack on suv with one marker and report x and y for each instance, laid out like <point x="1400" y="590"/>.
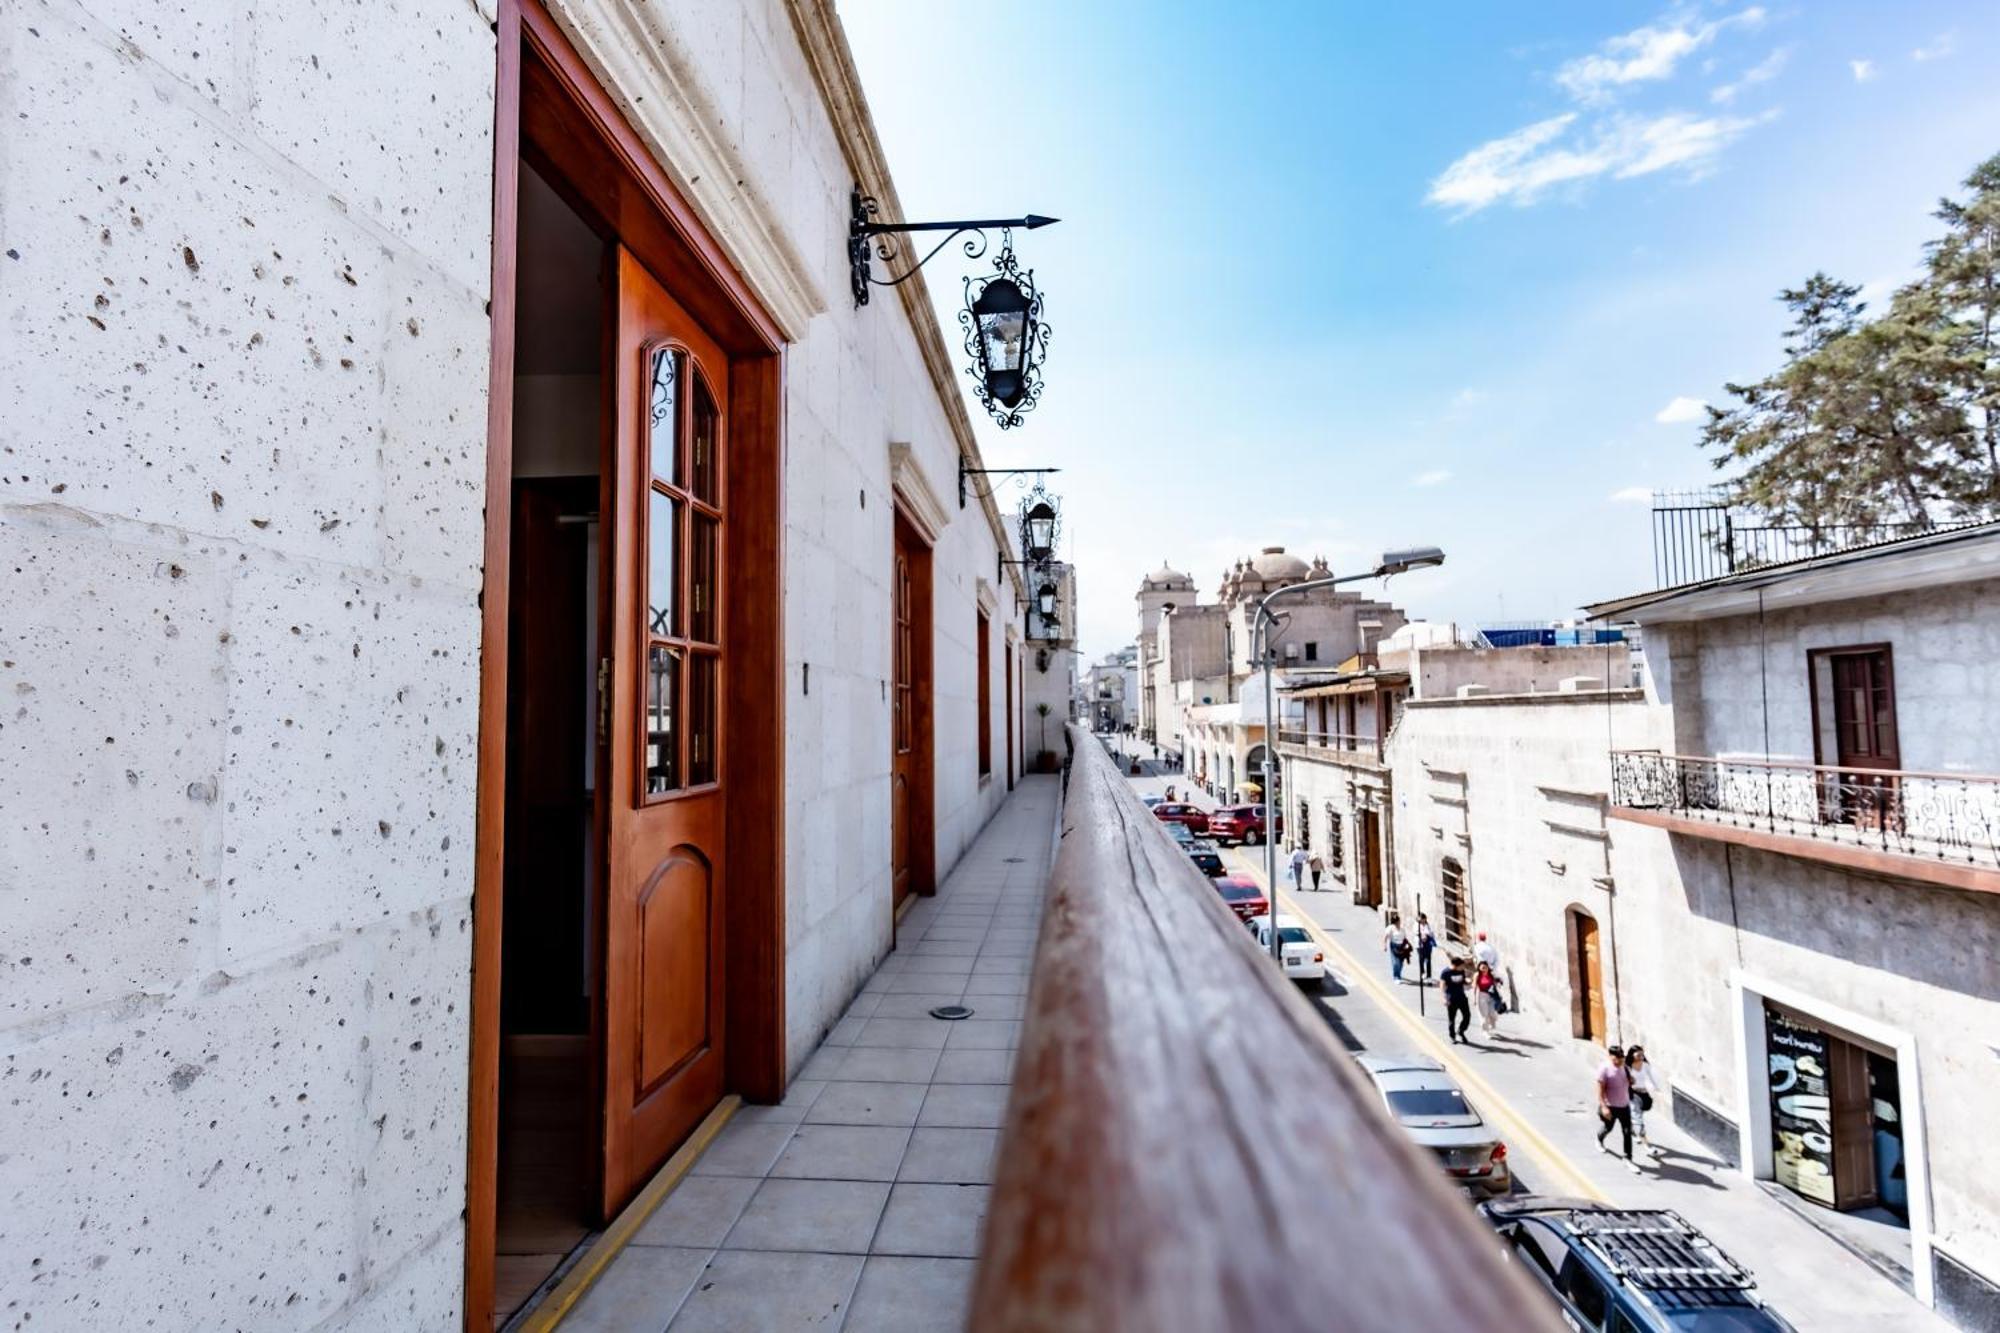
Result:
<point x="1657" y="1249"/>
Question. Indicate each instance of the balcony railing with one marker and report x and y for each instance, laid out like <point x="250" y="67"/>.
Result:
<point x="1340" y="742"/>
<point x="1187" y="1146"/>
<point x="1698" y="536"/>
<point x="1946" y="817"/>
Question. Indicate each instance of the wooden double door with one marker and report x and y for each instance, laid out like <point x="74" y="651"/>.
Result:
<point x="663" y="704"/>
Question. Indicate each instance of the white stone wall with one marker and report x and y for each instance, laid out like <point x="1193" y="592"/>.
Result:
<point x="855" y="384"/>
<point x="1437" y="673"/>
<point x="1733" y="672"/>
<point x="1332" y="792"/>
<point x="241" y="482"/>
<point x="241" y="506"/>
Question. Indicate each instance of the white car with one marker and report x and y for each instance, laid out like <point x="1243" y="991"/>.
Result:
<point x="1430" y="1106"/>
<point x="1304" y="959"/>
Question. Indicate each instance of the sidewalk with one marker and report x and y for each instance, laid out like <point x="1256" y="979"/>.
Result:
<point x="857" y="1202"/>
<point x="1535" y="1082"/>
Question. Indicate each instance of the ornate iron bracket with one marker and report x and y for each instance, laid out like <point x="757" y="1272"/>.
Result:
<point x="964" y="472"/>
<point x="865" y="234"/>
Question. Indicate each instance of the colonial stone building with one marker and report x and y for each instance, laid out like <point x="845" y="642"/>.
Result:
<point x="490" y="638"/>
<point x="1775" y="865"/>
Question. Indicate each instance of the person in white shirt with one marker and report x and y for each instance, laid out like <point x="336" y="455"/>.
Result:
<point x="1300" y="858"/>
<point x="1484" y="952"/>
<point x="1397" y="944"/>
<point x="1639" y="1073"/>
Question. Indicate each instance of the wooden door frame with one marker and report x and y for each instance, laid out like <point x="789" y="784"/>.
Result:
<point x="549" y="106"/>
<point x="1813" y="658"/>
<point x="923" y="696"/>
<point x="1587" y="1022"/>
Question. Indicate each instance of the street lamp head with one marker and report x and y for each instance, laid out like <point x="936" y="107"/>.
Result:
<point x="1409" y="558"/>
<point x="1039" y="523"/>
<point x="1045" y="598"/>
<point x="1004" y="339"/>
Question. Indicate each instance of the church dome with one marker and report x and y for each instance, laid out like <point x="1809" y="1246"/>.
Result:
<point x="1273" y="566"/>
<point x="1166" y="576"/>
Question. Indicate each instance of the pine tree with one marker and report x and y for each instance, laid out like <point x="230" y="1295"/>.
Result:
<point x="1885" y="420"/>
<point x="1963" y="282"/>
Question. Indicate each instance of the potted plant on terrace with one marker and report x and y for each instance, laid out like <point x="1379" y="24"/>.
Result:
<point x="1045" y="759"/>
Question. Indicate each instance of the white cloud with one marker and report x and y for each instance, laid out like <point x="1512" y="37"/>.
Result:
<point x="1681" y="411"/>
<point x="1523" y="166"/>
<point x="1437" y="476"/>
<point x="1944" y="45"/>
<point x="1864" y="70"/>
<point x="1762" y="72"/>
<point x="1632" y="495"/>
<point x="1643" y="55"/>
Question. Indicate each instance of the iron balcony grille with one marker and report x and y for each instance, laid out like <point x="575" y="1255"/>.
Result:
<point x="1949" y="817"/>
<point x="1698" y="537"/>
<point x="1658" y="1250"/>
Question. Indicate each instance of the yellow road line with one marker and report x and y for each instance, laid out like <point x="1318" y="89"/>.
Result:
<point x="626" y="1225"/>
<point x="1575" y="1182"/>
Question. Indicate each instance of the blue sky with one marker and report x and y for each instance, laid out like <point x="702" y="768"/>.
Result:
<point x="1344" y="276"/>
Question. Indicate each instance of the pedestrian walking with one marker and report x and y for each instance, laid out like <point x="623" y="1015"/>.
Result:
<point x="1484" y="952"/>
<point x="1301" y="858"/>
<point x="1639" y="1076"/>
<point x="1397" y="944"/>
<point x="1488" y="986"/>
<point x="1614" y="1102"/>
<point x="1457" y="1012"/>
<point x="1427" y="943"/>
<point x="1318" y="868"/>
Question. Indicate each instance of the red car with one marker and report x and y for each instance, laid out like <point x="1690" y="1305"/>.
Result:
<point x="1237" y="823"/>
<point x="1176" y="812"/>
<point x="1244" y="898"/>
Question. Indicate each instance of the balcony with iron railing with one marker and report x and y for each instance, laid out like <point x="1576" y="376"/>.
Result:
<point x="1187" y="1146"/>
<point x="1939" y="828"/>
<point x="1332" y="747"/>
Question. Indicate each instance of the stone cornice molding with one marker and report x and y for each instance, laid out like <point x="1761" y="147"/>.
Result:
<point x="989" y="601"/>
<point x="824" y="43"/>
<point x="915" y="495"/>
<point x="635" y="51"/>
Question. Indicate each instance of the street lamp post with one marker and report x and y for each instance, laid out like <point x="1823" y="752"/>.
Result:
<point x="1393" y="562"/>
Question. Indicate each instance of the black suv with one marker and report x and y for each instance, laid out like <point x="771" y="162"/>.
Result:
<point x="1630" y="1270"/>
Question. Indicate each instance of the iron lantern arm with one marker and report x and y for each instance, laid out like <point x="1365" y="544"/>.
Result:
<point x="964" y="472"/>
<point x="862" y="230"/>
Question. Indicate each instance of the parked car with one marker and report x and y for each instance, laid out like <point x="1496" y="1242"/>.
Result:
<point x="1180" y="812"/>
<point x="1244" y="898"/>
<point x="1206" y="856"/>
<point x="1181" y="834"/>
<point x="1430" y="1106"/>
<point x="1630" y="1270"/>
<point x="1152" y="798"/>
<point x="1304" y="959"/>
<point x="1237" y="823"/>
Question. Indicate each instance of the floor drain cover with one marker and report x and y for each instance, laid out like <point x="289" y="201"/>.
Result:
<point x="951" y="1011"/>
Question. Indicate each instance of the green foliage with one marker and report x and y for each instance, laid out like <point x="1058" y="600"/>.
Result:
<point x="1889" y="419"/>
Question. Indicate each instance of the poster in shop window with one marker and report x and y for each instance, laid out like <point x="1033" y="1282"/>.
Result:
<point x="1801" y="1107"/>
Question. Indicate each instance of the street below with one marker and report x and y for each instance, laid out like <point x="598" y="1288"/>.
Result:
<point x="1534" y="1082"/>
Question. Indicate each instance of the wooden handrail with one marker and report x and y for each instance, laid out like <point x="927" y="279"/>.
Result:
<point x="1187" y="1147"/>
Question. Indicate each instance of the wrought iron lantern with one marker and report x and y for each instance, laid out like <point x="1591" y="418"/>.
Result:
<point x="1002" y="316"/>
<point x="1045" y="601"/>
<point x="1038" y="525"/>
<point x="1005" y="336"/>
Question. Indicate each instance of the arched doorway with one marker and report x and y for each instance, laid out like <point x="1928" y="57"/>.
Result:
<point x="1586" y="975"/>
